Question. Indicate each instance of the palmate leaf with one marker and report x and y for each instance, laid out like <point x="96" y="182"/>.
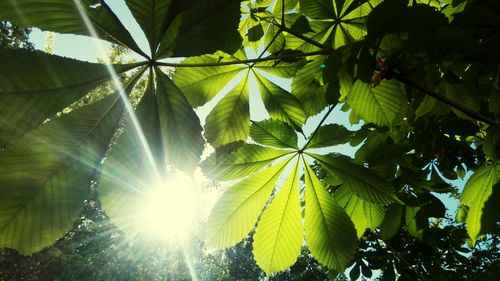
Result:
<point x="201" y="84"/>
<point x="179" y="124"/>
<point x="46" y="174"/>
<point x="308" y="87"/>
<point x="229" y="121"/>
<point x="278" y="236"/>
<point x="151" y="16"/>
<point x="329" y="135"/>
<point x="337" y="22"/>
<point x="392" y="222"/>
<point x="29" y="96"/>
<point x="377" y="104"/>
<point x="330" y="234"/>
<point x="236" y="212"/>
<point x="280" y="104"/>
<point x="245" y="161"/>
<point x="363" y="213"/>
<point x="121" y="185"/>
<point x="358" y="179"/>
<point x="411" y="220"/>
<point x="62" y="16"/>
<point x="477" y="192"/>
<point x="274" y="133"/>
<point x="203" y="27"/>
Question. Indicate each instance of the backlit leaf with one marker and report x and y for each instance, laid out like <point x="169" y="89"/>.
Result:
<point x="207" y="26"/>
<point x="477" y="191"/>
<point x="236" y="212"/>
<point x="201" y="84"/>
<point x="180" y="126"/>
<point x="278" y="237"/>
<point x="273" y="133"/>
<point x="229" y="121"/>
<point x="330" y="135"/>
<point x="363" y="213"/>
<point x="121" y="187"/>
<point x="151" y="16"/>
<point x="358" y="179"/>
<point x="330" y="234"/>
<point x="279" y="103"/>
<point x="309" y="89"/>
<point x="377" y="104"/>
<point x="29" y="96"/>
<point x="46" y="174"/>
<point x="62" y="16"/>
<point x="245" y="161"/>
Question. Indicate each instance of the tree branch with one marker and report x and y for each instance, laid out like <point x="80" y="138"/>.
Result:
<point x="283" y="27"/>
<point x="275" y="58"/>
<point x="319" y="126"/>
<point x="267" y="47"/>
<point x="467" y="111"/>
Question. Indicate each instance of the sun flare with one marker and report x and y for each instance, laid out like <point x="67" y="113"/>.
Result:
<point x="172" y="207"/>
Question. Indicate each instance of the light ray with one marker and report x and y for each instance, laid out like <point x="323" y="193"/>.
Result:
<point x="118" y="85"/>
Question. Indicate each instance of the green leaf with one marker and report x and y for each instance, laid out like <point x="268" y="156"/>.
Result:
<point x="180" y="126"/>
<point x="318" y="9"/>
<point x="477" y="191"/>
<point x="46" y="174"/>
<point x="330" y="234"/>
<point x="237" y="210"/>
<point x="358" y="179"/>
<point x="201" y="84"/>
<point x="245" y="161"/>
<point x="392" y="221"/>
<point x="274" y="133"/>
<point x="280" y="103"/>
<point x="121" y="186"/>
<point x="278" y="237"/>
<point x="229" y="121"/>
<point x="207" y="26"/>
<point x="309" y="89"/>
<point x="412" y="222"/>
<point x="29" y="96"/>
<point x="152" y="17"/>
<point x="330" y="135"/>
<point x="491" y="145"/>
<point x="62" y="16"/>
<point x="279" y="68"/>
<point x="343" y="21"/>
<point x="377" y="104"/>
<point x="363" y="213"/>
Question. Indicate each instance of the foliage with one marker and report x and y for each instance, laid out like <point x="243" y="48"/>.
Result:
<point x="422" y="77"/>
<point x="14" y="37"/>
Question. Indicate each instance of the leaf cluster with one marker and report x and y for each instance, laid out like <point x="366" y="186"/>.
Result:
<point x="421" y="77"/>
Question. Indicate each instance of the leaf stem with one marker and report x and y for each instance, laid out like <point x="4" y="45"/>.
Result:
<point x="467" y="111"/>
<point x="317" y="127"/>
<point x="283" y="27"/>
<point x="305" y="38"/>
<point x="294" y="56"/>
<point x="267" y="47"/>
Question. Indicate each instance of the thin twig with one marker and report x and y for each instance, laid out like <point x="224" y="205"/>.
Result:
<point x="319" y="126"/>
<point x="267" y="47"/>
<point x="275" y="58"/>
<point x="460" y="107"/>
<point x="283" y="27"/>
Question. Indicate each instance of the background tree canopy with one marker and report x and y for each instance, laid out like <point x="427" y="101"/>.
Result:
<point x="420" y="77"/>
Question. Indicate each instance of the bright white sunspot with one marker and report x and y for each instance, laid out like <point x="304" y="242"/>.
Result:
<point x="171" y="208"/>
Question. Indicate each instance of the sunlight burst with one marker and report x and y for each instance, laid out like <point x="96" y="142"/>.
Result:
<point x="172" y="208"/>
